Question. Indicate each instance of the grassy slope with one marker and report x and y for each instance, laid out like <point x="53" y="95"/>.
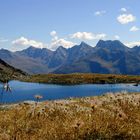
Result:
<point x="112" y="116"/>
<point x="79" y="78"/>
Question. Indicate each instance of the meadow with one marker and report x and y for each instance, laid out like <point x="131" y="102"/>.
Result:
<point x="110" y="116"/>
<point x="82" y="78"/>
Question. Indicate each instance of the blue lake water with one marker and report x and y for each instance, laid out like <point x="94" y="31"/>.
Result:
<point x="22" y="91"/>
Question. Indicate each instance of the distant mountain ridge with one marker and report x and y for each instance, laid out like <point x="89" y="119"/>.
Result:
<point x="106" y="57"/>
<point x="116" y="44"/>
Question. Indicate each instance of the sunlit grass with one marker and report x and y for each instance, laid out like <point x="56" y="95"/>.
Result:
<point x="108" y="116"/>
<point x="79" y="78"/>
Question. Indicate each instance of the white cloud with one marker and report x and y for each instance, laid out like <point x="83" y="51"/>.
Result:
<point x="60" y="42"/>
<point x="56" y="42"/>
<point x="134" y="29"/>
<point x="22" y="41"/>
<point x="54" y="36"/>
<point x="87" y="36"/>
<point x="99" y="36"/>
<point x="82" y="35"/>
<point x="126" y="18"/>
<point x="132" y="44"/>
<point x="53" y="33"/>
<point x="100" y="13"/>
<point x="117" y="37"/>
<point x="123" y="9"/>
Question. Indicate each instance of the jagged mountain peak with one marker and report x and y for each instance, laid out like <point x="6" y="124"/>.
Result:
<point x="31" y="48"/>
<point x="83" y="43"/>
<point x="136" y="47"/>
<point x="110" y="44"/>
<point x="4" y="50"/>
<point x="81" y="47"/>
<point x="60" y="48"/>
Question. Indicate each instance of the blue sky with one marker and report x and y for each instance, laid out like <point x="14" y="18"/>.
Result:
<point x="50" y="23"/>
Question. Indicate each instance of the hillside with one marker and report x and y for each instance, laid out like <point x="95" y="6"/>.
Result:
<point x="25" y="63"/>
<point x="8" y="72"/>
<point x="108" y="57"/>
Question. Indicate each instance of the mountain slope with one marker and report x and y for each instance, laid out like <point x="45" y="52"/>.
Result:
<point x="9" y="72"/>
<point x="58" y="58"/>
<point x="106" y="57"/>
<point x="78" y="52"/>
<point x="25" y="63"/>
<point x="36" y="53"/>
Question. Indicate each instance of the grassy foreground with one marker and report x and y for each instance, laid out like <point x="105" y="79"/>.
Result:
<point x="80" y="78"/>
<point x="114" y="116"/>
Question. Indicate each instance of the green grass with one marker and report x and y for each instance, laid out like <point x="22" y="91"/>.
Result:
<point x="111" y="116"/>
<point x="79" y="78"/>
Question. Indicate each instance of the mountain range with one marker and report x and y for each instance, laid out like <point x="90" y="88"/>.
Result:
<point x="106" y="57"/>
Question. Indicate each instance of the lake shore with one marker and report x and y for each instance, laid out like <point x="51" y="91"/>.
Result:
<point x="114" y="116"/>
<point x="82" y="78"/>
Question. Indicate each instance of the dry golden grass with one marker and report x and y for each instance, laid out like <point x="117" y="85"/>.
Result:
<point x="114" y="116"/>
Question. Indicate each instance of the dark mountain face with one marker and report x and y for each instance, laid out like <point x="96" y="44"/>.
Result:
<point x="136" y="50"/>
<point x="106" y="57"/>
<point x="25" y="63"/>
<point x="37" y="53"/>
<point x="58" y="58"/>
<point x="111" y="45"/>
<point x="7" y="72"/>
<point x="83" y="67"/>
<point x="79" y="52"/>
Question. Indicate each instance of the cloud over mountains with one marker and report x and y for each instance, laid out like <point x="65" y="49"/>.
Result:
<point x="126" y="18"/>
